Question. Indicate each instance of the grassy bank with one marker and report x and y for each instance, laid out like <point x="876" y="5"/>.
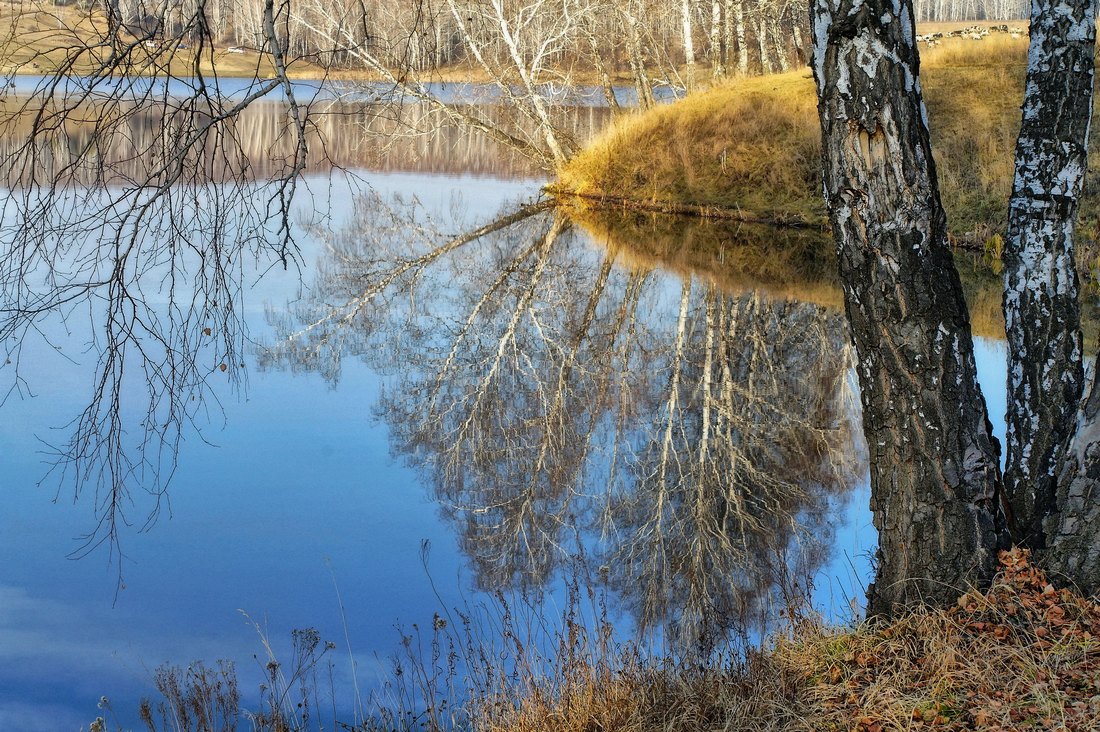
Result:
<point x="752" y="146"/>
<point x="1021" y="656"/>
<point x="43" y="39"/>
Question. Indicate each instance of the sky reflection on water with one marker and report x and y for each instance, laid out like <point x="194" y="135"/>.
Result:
<point x="298" y="498"/>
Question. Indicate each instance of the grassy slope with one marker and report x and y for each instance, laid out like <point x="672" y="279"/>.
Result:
<point x="753" y="144"/>
<point x="1022" y="656"/>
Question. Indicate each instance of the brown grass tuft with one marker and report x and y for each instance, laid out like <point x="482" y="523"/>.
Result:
<point x="753" y="695"/>
<point x="1020" y="656"/>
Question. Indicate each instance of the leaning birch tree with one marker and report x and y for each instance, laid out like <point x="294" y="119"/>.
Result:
<point x="937" y="495"/>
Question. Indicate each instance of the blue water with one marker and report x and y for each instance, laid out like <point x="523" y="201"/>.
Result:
<point x="234" y="88"/>
<point x="289" y="512"/>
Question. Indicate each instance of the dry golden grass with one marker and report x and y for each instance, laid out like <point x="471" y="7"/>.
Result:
<point x="754" y="144"/>
<point x="751" y="695"/>
<point x="1021" y="656"/>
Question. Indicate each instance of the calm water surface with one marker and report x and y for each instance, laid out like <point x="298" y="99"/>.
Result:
<point x="671" y="402"/>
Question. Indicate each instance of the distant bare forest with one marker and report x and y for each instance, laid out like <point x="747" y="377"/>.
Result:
<point x="609" y="38"/>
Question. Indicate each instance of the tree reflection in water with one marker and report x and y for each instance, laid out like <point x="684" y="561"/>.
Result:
<point x="692" y="442"/>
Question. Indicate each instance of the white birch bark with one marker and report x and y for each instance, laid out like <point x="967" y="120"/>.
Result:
<point x="934" y="462"/>
<point x="689" y="42"/>
<point x="1042" y="317"/>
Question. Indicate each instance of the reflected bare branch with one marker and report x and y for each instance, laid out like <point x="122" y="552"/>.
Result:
<point x="690" y="442"/>
<point x="133" y="212"/>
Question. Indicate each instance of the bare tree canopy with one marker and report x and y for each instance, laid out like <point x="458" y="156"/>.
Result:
<point x="693" y="444"/>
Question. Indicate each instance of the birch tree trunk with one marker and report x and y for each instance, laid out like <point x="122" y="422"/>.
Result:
<point x="778" y="44"/>
<point x="716" y="52"/>
<point x="629" y="22"/>
<point x="1042" y="318"/>
<point x="533" y="97"/>
<point x="689" y="43"/>
<point x="736" y="9"/>
<point x="934" y="461"/>
<point x="766" y="65"/>
<point x="1060" y="516"/>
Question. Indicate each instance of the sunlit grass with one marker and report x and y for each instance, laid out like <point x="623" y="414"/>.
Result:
<point x="753" y="145"/>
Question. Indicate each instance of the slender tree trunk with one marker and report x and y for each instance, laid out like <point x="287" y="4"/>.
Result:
<point x="716" y="55"/>
<point x="739" y="29"/>
<point x="636" y="58"/>
<point x="766" y="65"/>
<point x="606" y="85"/>
<point x="538" y="105"/>
<point x="799" y="46"/>
<point x="1042" y="319"/>
<point x="934" y="461"/>
<point x="779" y="46"/>
<point x="689" y="42"/>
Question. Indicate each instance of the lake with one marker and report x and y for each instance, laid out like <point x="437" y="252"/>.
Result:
<point x="405" y="421"/>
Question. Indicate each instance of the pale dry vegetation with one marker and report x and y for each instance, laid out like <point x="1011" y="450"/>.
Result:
<point x="1020" y="656"/>
<point x="43" y="38"/>
<point x="1023" y="655"/>
<point x="750" y="145"/>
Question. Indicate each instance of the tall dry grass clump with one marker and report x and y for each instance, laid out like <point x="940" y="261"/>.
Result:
<point x="1021" y="656"/>
<point x="751" y="145"/>
<point x="750" y="695"/>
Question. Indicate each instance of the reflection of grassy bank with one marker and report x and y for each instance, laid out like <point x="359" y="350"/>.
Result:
<point x="784" y="262"/>
<point x="753" y="144"/>
<point x="788" y="263"/>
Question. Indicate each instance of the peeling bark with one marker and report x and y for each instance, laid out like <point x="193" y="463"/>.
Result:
<point x="1045" y="374"/>
<point x="934" y="461"/>
<point x="1073" y="531"/>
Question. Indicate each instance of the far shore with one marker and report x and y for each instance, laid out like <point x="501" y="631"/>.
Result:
<point x="40" y="55"/>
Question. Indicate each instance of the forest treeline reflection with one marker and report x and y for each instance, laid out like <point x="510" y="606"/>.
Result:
<point x="692" y="437"/>
<point x="97" y="146"/>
